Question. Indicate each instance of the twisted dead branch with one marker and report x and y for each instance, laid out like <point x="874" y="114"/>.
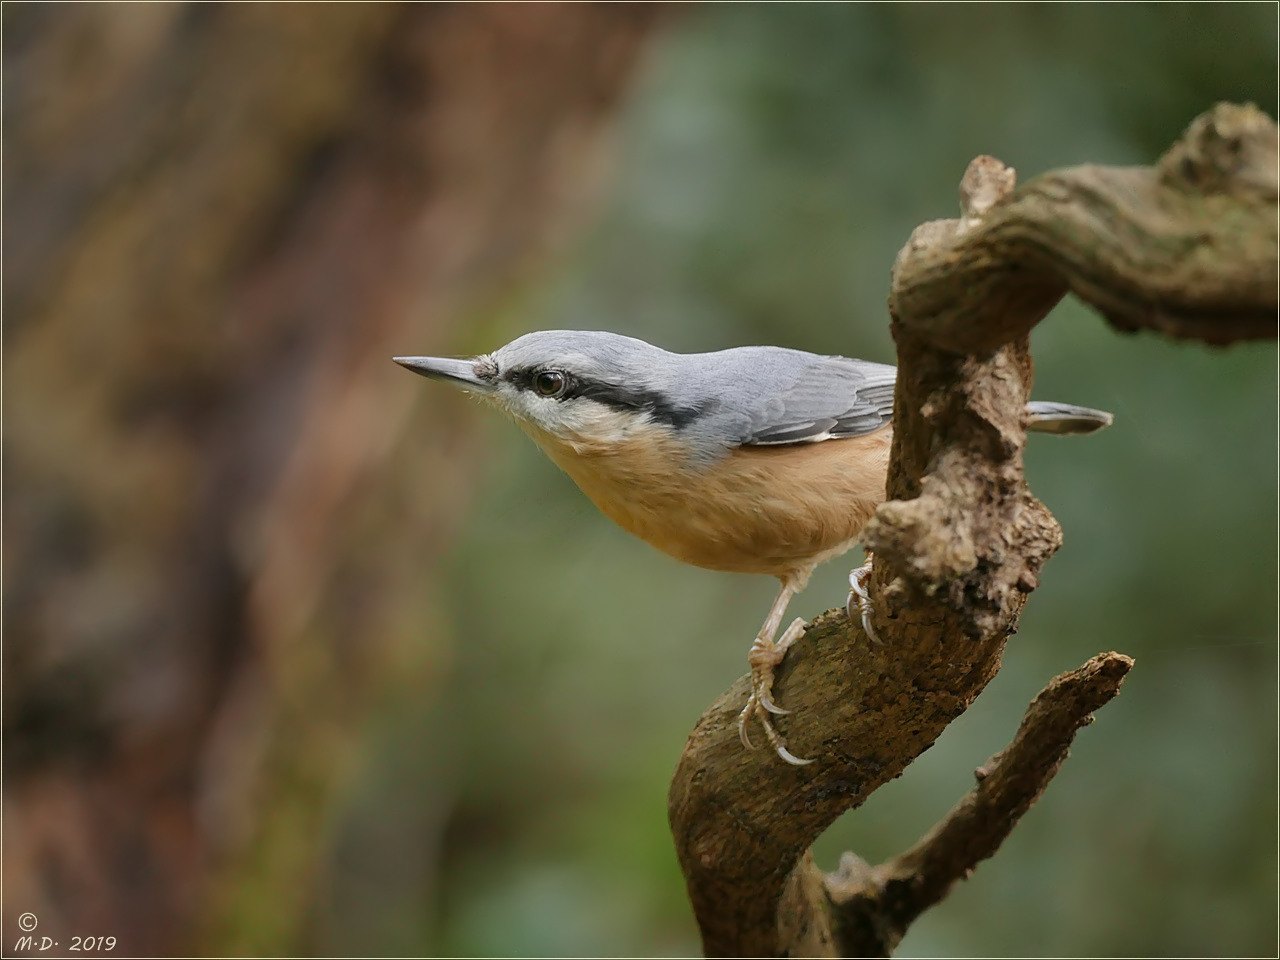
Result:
<point x="1187" y="247"/>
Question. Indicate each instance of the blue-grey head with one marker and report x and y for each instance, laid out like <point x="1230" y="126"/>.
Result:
<point x="578" y="386"/>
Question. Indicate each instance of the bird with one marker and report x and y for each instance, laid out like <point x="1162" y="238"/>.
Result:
<point x="752" y="459"/>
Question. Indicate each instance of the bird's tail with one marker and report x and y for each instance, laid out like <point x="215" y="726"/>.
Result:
<point x="1048" y="417"/>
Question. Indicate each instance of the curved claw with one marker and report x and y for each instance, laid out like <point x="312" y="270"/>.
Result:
<point x="858" y="590"/>
<point x="765" y="699"/>
<point x="856" y="587"/>
<point x="790" y="757"/>
<point x="754" y="703"/>
<point x="866" y="623"/>
<point x="743" y="718"/>
<point x="779" y="747"/>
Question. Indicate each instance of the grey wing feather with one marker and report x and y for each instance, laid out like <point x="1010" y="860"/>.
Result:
<point x="833" y="398"/>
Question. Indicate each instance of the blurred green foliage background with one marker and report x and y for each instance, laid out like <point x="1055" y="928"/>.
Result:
<point x="772" y="162"/>
<point x="501" y="778"/>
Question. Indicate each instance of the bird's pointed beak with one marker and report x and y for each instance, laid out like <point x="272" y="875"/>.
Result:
<point x="460" y="373"/>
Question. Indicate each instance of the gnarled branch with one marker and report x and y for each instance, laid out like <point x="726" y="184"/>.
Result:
<point x="873" y="906"/>
<point x="1187" y="247"/>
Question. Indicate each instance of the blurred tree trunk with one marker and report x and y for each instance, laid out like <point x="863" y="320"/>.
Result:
<point x="222" y="222"/>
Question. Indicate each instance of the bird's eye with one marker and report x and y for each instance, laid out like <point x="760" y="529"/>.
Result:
<point x="550" y="383"/>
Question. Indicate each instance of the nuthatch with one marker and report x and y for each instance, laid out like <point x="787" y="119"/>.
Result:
<point x="750" y="460"/>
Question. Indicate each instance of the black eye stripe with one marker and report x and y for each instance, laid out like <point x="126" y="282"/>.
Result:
<point x="657" y="405"/>
<point x="651" y="402"/>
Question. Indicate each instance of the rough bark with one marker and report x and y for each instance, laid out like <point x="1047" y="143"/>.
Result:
<point x="1187" y="247"/>
<point x="873" y="906"/>
<point x="223" y="219"/>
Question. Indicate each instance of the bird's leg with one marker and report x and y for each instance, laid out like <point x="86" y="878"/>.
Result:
<point x="766" y="653"/>
<point x="859" y="583"/>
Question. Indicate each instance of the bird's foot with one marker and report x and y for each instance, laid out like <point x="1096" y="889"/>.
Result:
<point x="859" y="590"/>
<point x="766" y="653"/>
